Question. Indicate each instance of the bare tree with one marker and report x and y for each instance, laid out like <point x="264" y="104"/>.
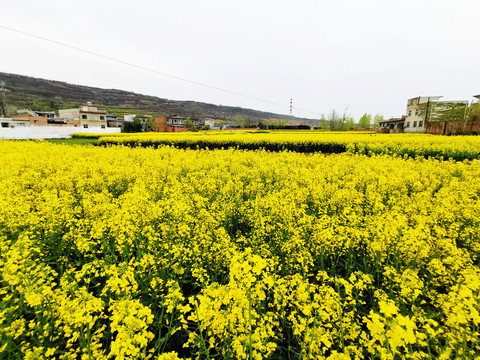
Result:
<point x="336" y="121"/>
<point x="3" y="99"/>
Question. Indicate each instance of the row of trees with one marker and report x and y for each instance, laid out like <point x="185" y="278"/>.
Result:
<point x="343" y="122"/>
<point x="334" y="122"/>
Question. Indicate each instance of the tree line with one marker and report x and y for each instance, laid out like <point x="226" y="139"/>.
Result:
<point x="343" y="122"/>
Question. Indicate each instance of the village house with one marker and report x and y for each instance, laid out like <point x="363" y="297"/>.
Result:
<point x="44" y="118"/>
<point x="432" y="116"/>
<point x="13" y="123"/>
<point x="392" y="125"/>
<point x="427" y="114"/>
<point x="174" y="123"/>
<point x="161" y="124"/>
<point x="146" y="123"/>
<point x="89" y="116"/>
<point x="210" y="122"/>
<point x="115" y="121"/>
<point x="179" y="121"/>
<point x="417" y="113"/>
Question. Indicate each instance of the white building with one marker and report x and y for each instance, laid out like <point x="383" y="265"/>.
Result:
<point x="89" y="116"/>
<point x="210" y="122"/>
<point x="429" y="111"/>
<point x="13" y="123"/>
<point x="178" y="121"/>
<point x="417" y="113"/>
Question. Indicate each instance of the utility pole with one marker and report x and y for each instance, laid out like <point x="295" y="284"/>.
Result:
<point x="291" y="110"/>
<point x="3" y="105"/>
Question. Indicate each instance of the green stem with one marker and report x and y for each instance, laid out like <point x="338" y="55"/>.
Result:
<point x="250" y="323"/>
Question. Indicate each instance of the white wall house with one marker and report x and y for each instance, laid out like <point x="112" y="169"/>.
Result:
<point x="89" y="116"/>
<point x="13" y="123"/>
<point x="424" y="110"/>
<point x="417" y="113"/>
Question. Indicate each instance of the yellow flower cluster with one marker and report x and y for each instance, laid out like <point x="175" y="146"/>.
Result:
<point x="140" y="253"/>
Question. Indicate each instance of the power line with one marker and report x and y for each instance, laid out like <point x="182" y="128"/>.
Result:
<point x="148" y="69"/>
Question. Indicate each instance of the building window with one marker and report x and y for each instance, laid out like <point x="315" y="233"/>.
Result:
<point x="417" y="111"/>
<point x="35" y="121"/>
<point x="85" y="126"/>
<point x="102" y="117"/>
<point x="414" y="124"/>
<point x="408" y="124"/>
<point x="5" y="125"/>
<point x="420" y="124"/>
<point x="102" y="126"/>
<point x="84" y="117"/>
<point x="409" y="112"/>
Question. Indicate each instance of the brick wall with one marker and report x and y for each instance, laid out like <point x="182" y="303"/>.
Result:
<point x="33" y="120"/>
<point x="451" y="127"/>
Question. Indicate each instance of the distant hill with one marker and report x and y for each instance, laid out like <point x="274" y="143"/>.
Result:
<point x="42" y="94"/>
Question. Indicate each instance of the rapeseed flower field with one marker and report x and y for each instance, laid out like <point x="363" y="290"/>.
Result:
<point x="411" y="145"/>
<point x="139" y="253"/>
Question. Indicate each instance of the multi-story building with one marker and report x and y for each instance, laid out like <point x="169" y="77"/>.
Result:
<point x="429" y="114"/>
<point x="417" y="113"/>
<point x="89" y="116"/>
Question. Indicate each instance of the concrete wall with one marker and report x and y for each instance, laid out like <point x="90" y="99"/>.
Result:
<point x="93" y="123"/>
<point x="49" y="132"/>
<point x="69" y="113"/>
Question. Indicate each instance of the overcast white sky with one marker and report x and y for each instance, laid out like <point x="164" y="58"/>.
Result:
<point x="369" y="56"/>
